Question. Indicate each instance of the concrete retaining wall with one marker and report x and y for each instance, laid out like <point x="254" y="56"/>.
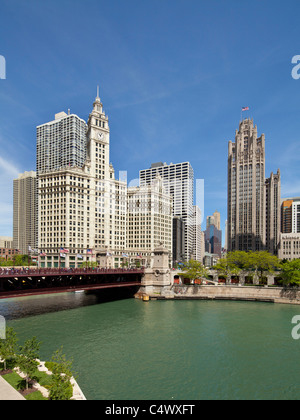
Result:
<point x="248" y="293"/>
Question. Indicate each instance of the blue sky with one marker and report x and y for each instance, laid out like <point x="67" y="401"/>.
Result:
<point x="173" y="77"/>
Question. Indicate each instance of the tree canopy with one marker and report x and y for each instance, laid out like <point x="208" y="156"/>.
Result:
<point x="194" y="270"/>
<point x="290" y="272"/>
<point x="27" y="359"/>
<point x="8" y="345"/>
<point x="258" y="262"/>
<point x="60" y="387"/>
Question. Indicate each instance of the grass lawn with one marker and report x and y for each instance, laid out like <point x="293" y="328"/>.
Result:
<point x="14" y="380"/>
<point x="42" y="378"/>
<point x="36" y="395"/>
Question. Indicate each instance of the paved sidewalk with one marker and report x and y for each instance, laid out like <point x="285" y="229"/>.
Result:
<point x="7" y="392"/>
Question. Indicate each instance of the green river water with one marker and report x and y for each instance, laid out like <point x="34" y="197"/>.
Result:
<point x="163" y="350"/>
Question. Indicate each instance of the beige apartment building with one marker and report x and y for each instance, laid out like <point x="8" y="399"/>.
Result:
<point x="289" y="246"/>
<point x="24" y="212"/>
<point x="149" y="220"/>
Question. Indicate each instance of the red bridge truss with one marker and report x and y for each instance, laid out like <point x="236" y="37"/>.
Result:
<point x="16" y="282"/>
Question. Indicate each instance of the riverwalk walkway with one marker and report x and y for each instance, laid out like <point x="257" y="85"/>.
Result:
<point x="7" y="392"/>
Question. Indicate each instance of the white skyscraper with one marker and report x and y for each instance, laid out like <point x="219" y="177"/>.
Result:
<point x="178" y="181"/>
<point x="60" y="143"/>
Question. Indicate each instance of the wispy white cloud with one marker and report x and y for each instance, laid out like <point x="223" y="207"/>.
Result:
<point x="290" y="188"/>
<point x="8" y="172"/>
<point x="8" y="168"/>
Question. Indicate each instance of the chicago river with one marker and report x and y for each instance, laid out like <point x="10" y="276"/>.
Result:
<point x="163" y="350"/>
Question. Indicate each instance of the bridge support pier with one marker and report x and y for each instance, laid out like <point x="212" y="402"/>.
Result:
<point x="158" y="277"/>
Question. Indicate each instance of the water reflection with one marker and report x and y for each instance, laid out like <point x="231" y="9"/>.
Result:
<point x="22" y="307"/>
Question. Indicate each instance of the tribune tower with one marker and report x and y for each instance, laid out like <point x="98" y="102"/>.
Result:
<point x="251" y="216"/>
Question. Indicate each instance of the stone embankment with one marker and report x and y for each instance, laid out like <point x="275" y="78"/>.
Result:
<point x="224" y="292"/>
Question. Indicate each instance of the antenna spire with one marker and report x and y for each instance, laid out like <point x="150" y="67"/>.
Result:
<point x="97" y="91"/>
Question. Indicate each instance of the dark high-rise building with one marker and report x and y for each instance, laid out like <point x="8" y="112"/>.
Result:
<point x="213" y="240"/>
<point x="273" y="216"/>
<point x="178" y="239"/>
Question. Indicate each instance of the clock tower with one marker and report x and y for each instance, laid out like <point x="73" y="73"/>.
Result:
<point x="101" y="184"/>
<point x="98" y="140"/>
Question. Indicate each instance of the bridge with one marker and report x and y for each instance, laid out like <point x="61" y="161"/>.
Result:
<point x="15" y="282"/>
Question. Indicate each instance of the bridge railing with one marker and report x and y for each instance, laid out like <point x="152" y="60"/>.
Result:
<point x="4" y="272"/>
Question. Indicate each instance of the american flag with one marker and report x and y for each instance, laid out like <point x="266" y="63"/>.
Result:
<point x="65" y="250"/>
<point x="89" y="251"/>
<point x="245" y="108"/>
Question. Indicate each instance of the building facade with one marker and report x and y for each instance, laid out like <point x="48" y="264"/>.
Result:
<point x="85" y="213"/>
<point x="61" y="142"/>
<point x="290" y="215"/>
<point x="82" y="209"/>
<point x="253" y="202"/>
<point x="25" y="212"/>
<point x="196" y="250"/>
<point x="178" y="247"/>
<point x="213" y="240"/>
<point x="213" y="234"/>
<point x="215" y="220"/>
<point x="149" y="220"/>
<point x="178" y="181"/>
<point x="273" y="212"/>
<point x="289" y="248"/>
<point x="6" y="242"/>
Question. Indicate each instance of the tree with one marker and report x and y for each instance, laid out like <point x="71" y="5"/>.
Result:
<point x="8" y="345"/>
<point x="20" y="260"/>
<point x="227" y="267"/>
<point x="27" y="359"/>
<point x="88" y="264"/>
<point x="60" y="387"/>
<point x="194" y="270"/>
<point x="237" y="262"/>
<point x="262" y="261"/>
<point x="239" y="259"/>
<point x="290" y="272"/>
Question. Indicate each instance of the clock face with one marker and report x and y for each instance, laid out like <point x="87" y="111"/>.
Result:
<point x="100" y="136"/>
